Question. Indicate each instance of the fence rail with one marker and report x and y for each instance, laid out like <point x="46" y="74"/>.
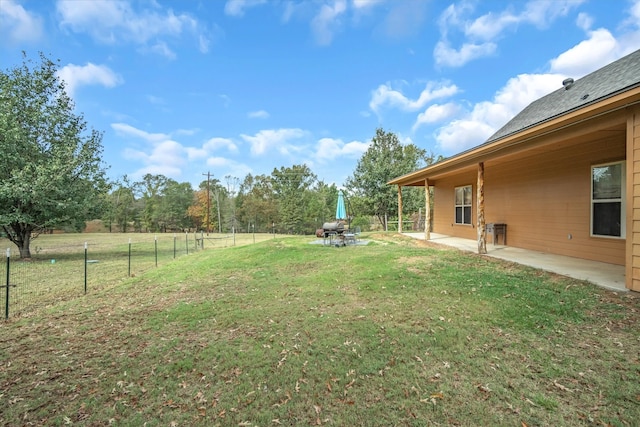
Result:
<point x="61" y="270"/>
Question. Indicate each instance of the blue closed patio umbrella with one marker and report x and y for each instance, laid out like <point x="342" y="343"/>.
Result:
<point x="341" y="212"/>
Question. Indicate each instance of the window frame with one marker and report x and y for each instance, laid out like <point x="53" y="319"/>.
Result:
<point x="621" y="200"/>
<point x="463" y="205"/>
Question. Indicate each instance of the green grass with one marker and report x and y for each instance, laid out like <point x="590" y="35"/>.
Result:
<point x="56" y="270"/>
<point x="395" y="333"/>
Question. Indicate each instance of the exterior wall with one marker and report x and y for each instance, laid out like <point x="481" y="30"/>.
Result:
<point x="632" y="270"/>
<point x="544" y="198"/>
<point x="443" y="209"/>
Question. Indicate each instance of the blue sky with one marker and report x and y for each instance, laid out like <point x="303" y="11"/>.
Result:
<point x="182" y="88"/>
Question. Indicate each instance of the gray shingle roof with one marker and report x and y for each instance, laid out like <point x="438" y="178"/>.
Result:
<point x="609" y="80"/>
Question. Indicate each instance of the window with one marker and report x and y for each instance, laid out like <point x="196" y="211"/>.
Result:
<point x="463" y="205"/>
<point x="607" y="200"/>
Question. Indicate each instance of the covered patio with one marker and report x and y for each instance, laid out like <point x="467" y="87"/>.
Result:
<point x="609" y="276"/>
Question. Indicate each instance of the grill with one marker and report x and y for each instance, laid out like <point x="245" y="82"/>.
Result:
<point x="329" y="229"/>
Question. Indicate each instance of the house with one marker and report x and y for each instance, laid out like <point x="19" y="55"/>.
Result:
<point x="562" y="177"/>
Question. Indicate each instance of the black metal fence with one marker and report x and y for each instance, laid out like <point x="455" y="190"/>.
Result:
<point x="58" y="273"/>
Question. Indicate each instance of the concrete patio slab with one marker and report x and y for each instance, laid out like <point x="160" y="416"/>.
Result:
<point x="609" y="276"/>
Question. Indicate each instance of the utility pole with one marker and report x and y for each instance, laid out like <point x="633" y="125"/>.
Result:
<point x="208" y="202"/>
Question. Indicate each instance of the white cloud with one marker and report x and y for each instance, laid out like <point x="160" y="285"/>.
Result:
<point x="260" y="114"/>
<point x="187" y="132"/>
<point x="482" y="32"/>
<point x="113" y="22"/>
<point x="584" y="21"/>
<point x="331" y="149"/>
<point x="152" y="169"/>
<point x="75" y="76"/>
<point x="489" y="26"/>
<point x="161" y="48"/>
<point x="238" y="7"/>
<point x="487" y="117"/>
<point x="215" y="144"/>
<point x="436" y="113"/>
<point x="327" y="21"/>
<point x="385" y="95"/>
<point x="462" y="134"/>
<point x="634" y="12"/>
<point x="203" y="43"/>
<point x="156" y="100"/>
<point x="365" y="4"/>
<point x="126" y="130"/>
<point x="162" y="155"/>
<point x="224" y="167"/>
<point x="194" y="153"/>
<point x="17" y="25"/>
<point x="598" y="49"/>
<point x="266" y="140"/>
<point x="588" y="55"/>
<point x="539" y="13"/>
<point x="210" y="146"/>
<point x="445" y="55"/>
<point x="166" y="158"/>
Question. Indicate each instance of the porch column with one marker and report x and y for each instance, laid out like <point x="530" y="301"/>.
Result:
<point x="399" y="209"/>
<point x="482" y="233"/>
<point x="427" y="211"/>
<point x="632" y="247"/>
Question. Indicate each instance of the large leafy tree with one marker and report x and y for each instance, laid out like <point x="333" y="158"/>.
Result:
<point x="51" y="173"/>
<point x="292" y="187"/>
<point x="151" y="190"/>
<point x="173" y="210"/>
<point x="256" y="202"/>
<point x="121" y="206"/>
<point x="205" y="208"/>
<point x="385" y="159"/>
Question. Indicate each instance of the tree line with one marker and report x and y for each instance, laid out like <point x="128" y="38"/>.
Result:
<point x="52" y="177"/>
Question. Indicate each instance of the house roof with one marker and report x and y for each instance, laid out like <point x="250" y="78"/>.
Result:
<point x="616" y="77"/>
<point x="593" y="89"/>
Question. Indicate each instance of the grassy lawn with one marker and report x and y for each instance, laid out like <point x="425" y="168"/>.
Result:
<point x="56" y="270"/>
<point x="395" y="333"/>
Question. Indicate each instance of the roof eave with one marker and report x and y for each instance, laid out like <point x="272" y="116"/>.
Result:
<point x="491" y="148"/>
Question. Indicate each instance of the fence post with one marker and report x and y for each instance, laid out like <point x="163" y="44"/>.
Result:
<point x="186" y="241"/>
<point x="155" y="240"/>
<point x="6" y="304"/>
<point x="129" y="258"/>
<point x="85" y="268"/>
<point x="174" y="245"/>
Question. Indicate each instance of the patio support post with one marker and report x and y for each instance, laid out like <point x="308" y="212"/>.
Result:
<point x="399" y="209"/>
<point x="427" y="211"/>
<point x="482" y="233"/>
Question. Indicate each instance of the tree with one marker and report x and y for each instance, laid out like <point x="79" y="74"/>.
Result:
<point x="232" y="185"/>
<point x="51" y="172"/>
<point x="121" y="206"/>
<point x="172" y="213"/>
<point x="291" y="187"/>
<point x="385" y="159"/>
<point x="256" y="203"/>
<point x="322" y="205"/>
<point x="151" y="189"/>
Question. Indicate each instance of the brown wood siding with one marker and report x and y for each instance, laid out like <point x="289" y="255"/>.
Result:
<point x="543" y="197"/>
<point x="632" y="269"/>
